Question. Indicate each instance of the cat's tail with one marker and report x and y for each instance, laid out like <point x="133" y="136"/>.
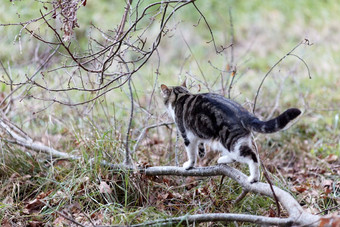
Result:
<point x="275" y="124"/>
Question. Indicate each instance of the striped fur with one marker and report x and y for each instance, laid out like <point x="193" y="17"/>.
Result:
<point x="221" y="123"/>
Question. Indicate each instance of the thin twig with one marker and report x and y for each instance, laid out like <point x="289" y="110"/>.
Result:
<point x="266" y="175"/>
<point x="63" y="215"/>
<point x="127" y="155"/>
<point x="118" y="36"/>
<point x="30" y="79"/>
<point x="176" y="148"/>
<point x="328" y="209"/>
<point x="306" y="42"/>
<point x="221" y="182"/>
<point x="143" y="132"/>
<point x="209" y="28"/>
<point x="232" y="70"/>
<point x="240" y="197"/>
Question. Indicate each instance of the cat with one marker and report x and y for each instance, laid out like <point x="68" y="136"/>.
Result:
<point x="221" y="123"/>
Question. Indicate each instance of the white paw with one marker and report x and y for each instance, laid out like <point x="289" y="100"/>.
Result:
<point x="253" y="179"/>
<point x="188" y="165"/>
<point x="224" y="160"/>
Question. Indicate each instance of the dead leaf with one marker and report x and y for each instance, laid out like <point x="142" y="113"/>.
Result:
<point x="42" y="195"/>
<point x="204" y="191"/>
<point x="271" y="213"/>
<point x="2" y="97"/>
<point x="177" y="195"/>
<point x="300" y="188"/>
<point x="165" y="196"/>
<point x="331" y="158"/>
<point x="227" y="67"/>
<point x="63" y="163"/>
<point x="5" y="223"/>
<point x="190" y="182"/>
<point x="74" y="208"/>
<point x="104" y="188"/>
<point x="330" y="221"/>
<point x="327" y="186"/>
<point x="35" y="223"/>
<point x="166" y="181"/>
<point x="35" y="205"/>
<point x="60" y="221"/>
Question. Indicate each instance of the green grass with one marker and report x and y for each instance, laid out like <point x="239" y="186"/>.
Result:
<point x="264" y="32"/>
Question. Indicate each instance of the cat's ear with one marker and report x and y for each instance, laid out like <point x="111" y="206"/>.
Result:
<point x="184" y="83"/>
<point x="164" y="87"/>
<point x="165" y="90"/>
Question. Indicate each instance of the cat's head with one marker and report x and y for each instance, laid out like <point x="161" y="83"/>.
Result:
<point x="170" y="94"/>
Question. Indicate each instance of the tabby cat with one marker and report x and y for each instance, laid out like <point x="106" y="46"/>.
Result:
<point x="221" y="123"/>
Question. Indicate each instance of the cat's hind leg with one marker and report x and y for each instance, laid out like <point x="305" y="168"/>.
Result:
<point x="191" y="146"/>
<point x="201" y="150"/>
<point x="225" y="159"/>
<point x="248" y="156"/>
<point x="226" y="155"/>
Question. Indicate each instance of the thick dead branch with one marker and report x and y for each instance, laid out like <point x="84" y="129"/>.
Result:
<point x="197" y="218"/>
<point x="19" y="138"/>
<point x="296" y="214"/>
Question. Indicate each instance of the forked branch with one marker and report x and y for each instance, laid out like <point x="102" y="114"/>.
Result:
<point x="297" y="215"/>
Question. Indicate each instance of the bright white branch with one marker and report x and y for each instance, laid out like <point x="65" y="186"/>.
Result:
<point x="20" y="139"/>
<point x="295" y="211"/>
<point x="143" y="132"/>
<point x="197" y="218"/>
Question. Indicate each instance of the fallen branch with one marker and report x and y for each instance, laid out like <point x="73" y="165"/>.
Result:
<point x="297" y="216"/>
<point x="144" y="131"/>
<point x="296" y="213"/>
<point x="197" y="218"/>
<point x="21" y="139"/>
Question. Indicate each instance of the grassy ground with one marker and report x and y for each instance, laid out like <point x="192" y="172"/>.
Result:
<point x="303" y="160"/>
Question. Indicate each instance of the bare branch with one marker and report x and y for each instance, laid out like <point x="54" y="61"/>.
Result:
<point x="232" y="66"/>
<point x="306" y="42"/>
<point x="240" y="197"/>
<point x="33" y="145"/>
<point x="296" y="214"/>
<point x="209" y="28"/>
<point x="143" y="132"/>
<point x="30" y="79"/>
<point x="215" y="217"/>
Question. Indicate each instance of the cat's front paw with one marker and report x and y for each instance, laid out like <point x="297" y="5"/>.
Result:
<point x="253" y="179"/>
<point x="188" y="165"/>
